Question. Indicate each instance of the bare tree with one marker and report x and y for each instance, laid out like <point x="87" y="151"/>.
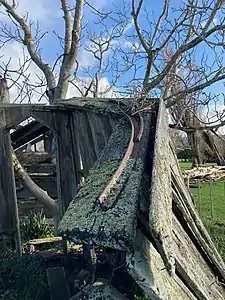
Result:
<point x="183" y="30"/>
<point x="135" y="61"/>
<point x="57" y="87"/>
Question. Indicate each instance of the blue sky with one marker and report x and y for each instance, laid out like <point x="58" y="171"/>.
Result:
<point x="49" y="15"/>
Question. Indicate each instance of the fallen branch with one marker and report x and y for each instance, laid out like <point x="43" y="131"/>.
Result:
<point x="205" y="174"/>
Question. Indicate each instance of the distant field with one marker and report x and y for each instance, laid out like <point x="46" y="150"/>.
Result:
<point x="216" y="226"/>
<point x="186" y="165"/>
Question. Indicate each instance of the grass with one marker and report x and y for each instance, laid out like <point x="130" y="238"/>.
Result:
<point x="186" y="165"/>
<point x="216" y="224"/>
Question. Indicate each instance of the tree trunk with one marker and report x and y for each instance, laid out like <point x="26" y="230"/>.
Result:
<point x="194" y="142"/>
<point x="34" y="189"/>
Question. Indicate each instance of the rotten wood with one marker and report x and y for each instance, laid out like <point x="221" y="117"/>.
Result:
<point x="34" y="158"/>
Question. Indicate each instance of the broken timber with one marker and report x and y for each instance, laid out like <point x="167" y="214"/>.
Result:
<point x="149" y="214"/>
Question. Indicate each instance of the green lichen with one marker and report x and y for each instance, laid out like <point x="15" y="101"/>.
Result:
<point x="114" y="224"/>
<point x="101" y="106"/>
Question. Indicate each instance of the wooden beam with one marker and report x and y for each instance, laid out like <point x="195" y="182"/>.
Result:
<point x="9" y="219"/>
<point x="66" y="164"/>
<point x="160" y="211"/>
<point x="86" y="143"/>
<point x="44" y="117"/>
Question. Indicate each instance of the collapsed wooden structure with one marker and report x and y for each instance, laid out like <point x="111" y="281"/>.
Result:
<point x="133" y="199"/>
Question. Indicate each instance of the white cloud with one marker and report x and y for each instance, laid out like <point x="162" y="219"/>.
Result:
<point x="105" y="89"/>
<point x="38" y="10"/>
<point x="16" y="54"/>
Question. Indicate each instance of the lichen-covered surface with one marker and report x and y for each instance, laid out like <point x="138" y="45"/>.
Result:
<point x="115" y="225"/>
<point x="101" y="106"/>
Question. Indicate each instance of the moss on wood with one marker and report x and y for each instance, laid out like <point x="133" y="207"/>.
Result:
<point x="113" y="225"/>
<point x="102" y="106"/>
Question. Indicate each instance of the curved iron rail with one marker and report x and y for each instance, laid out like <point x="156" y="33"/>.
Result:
<point x="137" y="128"/>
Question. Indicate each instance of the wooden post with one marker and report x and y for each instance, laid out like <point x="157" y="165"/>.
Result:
<point x="211" y="200"/>
<point x="199" y="198"/>
<point x="66" y="163"/>
<point x="9" y="217"/>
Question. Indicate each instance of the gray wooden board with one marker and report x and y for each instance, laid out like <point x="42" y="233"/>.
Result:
<point x="9" y="218"/>
<point x="13" y="115"/>
<point x="7" y="202"/>
<point x="66" y="168"/>
<point x="195" y="269"/>
<point x="87" y="151"/>
<point x="98" y="131"/>
<point x="147" y="268"/>
<point x="45" y="117"/>
<point x="191" y="216"/>
<point x="160" y="211"/>
<point x="57" y="283"/>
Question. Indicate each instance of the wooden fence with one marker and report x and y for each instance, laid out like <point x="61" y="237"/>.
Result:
<point x="209" y="198"/>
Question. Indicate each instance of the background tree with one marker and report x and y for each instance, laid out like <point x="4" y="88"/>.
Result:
<point x="127" y="45"/>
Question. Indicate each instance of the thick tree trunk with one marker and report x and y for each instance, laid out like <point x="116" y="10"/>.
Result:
<point x="194" y="142"/>
<point x="208" y="137"/>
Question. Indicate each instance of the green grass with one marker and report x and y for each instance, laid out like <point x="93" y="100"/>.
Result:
<point x="216" y="224"/>
<point x="186" y="165"/>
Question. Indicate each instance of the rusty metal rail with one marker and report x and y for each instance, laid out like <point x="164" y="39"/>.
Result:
<point x="137" y="126"/>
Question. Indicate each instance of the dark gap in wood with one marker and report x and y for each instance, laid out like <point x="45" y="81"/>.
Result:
<point x="187" y="229"/>
<point x="150" y="147"/>
<point x="179" y="275"/>
<point x="143" y="225"/>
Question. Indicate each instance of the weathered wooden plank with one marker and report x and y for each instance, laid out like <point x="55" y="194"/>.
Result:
<point x="195" y="269"/>
<point x="57" y="283"/>
<point x="87" y="151"/>
<point x="98" y="131"/>
<point x="34" y="157"/>
<point x="65" y="162"/>
<point x="44" y="117"/>
<point x="190" y="215"/>
<point x="76" y="144"/>
<point x="147" y="268"/>
<point x="160" y="211"/>
<point x="13" y="114"/>
<point x="9" y="219"/>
